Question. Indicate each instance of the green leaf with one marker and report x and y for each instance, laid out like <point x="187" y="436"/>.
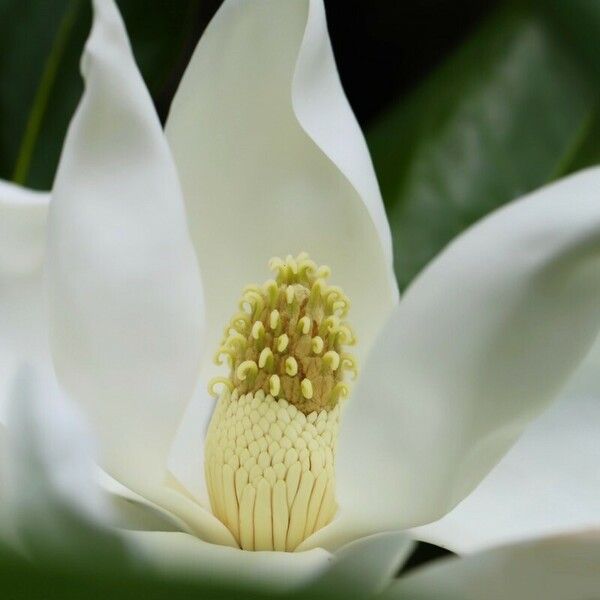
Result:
<point x="40" y="83"/>
<point x="22" y="581"/>
<point x="27" y="32"/>
<point x="42" y="95"/>
<point x="579" y="22"/>
<point x="511" y="110"/>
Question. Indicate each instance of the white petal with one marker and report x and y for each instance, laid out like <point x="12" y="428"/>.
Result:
<point x="22" y="229"/>
<point x="548" y="483"/>
<point x="272" y="161"/>
<point x="124" y="288"/>
<point x="132" y="511"/>
<point x="55" y="508"/>
<point x="365" y="567"/>
<point x="179" y="554"/>
<point x="481" y="343"/>
<point x="23" y="329"/>
<point x="170" y="509"/>
<point x="561" y="568"/>
<point x="186" y="460"/>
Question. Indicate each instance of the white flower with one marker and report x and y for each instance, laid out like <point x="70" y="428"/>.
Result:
<point x="152" y="238"/>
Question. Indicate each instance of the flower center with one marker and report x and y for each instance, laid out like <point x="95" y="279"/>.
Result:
<point x="270" y="448"/>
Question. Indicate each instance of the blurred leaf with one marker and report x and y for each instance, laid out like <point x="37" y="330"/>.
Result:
<point x="22" y="581"/>
<point x="579" y="22"/>
<point x="511" y="110"/>
<point x="587" y="151"/>
<point x="40" y="82"/>
<point x="44" y="89"/>
<point x="23" y="49"/>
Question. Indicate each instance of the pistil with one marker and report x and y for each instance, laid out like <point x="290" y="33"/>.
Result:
<point x="270" y="448"/>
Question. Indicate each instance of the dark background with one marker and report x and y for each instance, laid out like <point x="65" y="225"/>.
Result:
<point x="383" y="47"/>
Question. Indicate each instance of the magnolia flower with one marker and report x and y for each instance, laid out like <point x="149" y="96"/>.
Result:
<point x="153" y="236"/>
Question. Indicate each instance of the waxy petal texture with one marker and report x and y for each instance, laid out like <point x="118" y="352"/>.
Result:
<point x="560" y="568"/>
<point x="548" y="483"/>
<point x="125" y="295"/>
<point x="55" y="510"/>
<point x="23" y="329"/>
<point x="175" y="554"/>
<point x="272" y="161"/>
<point x="481" y="343"/>
<point x="23" y="214"/>
<point x="365" y="567"/>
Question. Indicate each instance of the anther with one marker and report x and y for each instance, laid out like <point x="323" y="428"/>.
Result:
<point x="237" y="341"/>
<point x="289" y="294"/>
<point x="349" y="364"/>
<point x="340" y="390"/>
<point x="304" y="325"/>
<point x="246" y="369"/>
<point x="291" y="366"/>
<point x="227" y="352"/>
<point x="258" y="330"/>
<point x="225" y="382"/>
<point x="273" y="334"/>
<point x="266" y="359"/>
<point x="306" y="388"/>
<point x="274" y="385"/>
<point x="331" y="359"/>
<point x="324" y="272"/>
<point x="316" y="344"/>
<point x="293" y="265"/>
<point x="282" y="342"/>
<point x="274" y="319"/>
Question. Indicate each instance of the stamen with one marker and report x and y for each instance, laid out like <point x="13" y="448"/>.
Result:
<point x="266" y="359"/>
<point x="258" y="330"/>
<point x="303" y="325"/>
<point x="246" y="369"/>
<point x="332" y="359"/>
<point x="307" y="389"/>
<point x="274" y="385"/>
<point x="271" y="443"/>
<point x="274" y="319"/>
<point x="267" y="484"/>
<point x="282" y="342"/>
<point x="291" y="366"/>
<point x="317" y="344"/>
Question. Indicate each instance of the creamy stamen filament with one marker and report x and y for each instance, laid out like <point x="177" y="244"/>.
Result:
<point x="270" y="448"/>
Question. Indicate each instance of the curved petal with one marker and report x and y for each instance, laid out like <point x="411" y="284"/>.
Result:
<point x="179" y="554"/>
<point x="481" y="343"/>
<point x="272" y="161"/>
<point x="364" y="568"/>
<point x="186" y="459"/>
<point x="548" y="483"/>
<point x="124" y="289"/>
<point x="23" y="215"/>
<point x="55" y="508"/>
<point x="132" y="511"/>
<point x="559" y="568"/>
<point x="23" y="329"/>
